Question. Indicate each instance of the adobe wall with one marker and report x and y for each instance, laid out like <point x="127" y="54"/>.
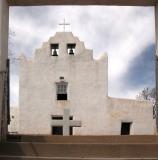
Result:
<point x="88" y="99"/>
<point x="87" y="87"/>
<point x="138" y="113"/>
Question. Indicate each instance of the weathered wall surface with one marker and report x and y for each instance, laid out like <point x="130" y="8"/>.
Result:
<point x="139" y="113"/>
<point x="38" y="79"/>
<point x="88" y="99"/>
<point x="14" y="124"/>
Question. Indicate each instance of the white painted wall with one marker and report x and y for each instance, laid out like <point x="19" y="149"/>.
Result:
<point x="88" y="99"/>
<point x="138" y="112"/>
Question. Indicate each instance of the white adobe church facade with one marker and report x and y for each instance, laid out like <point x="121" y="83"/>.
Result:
<point x="64" y="91"/>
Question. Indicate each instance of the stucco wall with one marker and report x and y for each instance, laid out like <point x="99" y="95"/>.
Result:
<point x="139" y="113"/>
<point x="87" y="87"/>
<point x="88" y="99"/>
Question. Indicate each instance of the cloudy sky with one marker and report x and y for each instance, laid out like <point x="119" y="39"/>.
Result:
<point x="126" y="34"/>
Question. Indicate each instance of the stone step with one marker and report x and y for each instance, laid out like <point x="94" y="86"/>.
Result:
<point x="68" y="158"/>
<point x="85" y="139"/>
<point x="93" y="150"/>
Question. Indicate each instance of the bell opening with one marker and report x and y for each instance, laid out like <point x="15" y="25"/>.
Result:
<point x="71" y="48"/>
<point x="54" y="49"/>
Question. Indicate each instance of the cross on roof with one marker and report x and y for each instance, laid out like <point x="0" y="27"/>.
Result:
<point x="64" y="24"/>
<point x="66" y="122"/>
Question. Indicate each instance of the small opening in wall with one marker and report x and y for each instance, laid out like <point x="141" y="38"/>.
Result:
<point x="125" y="128"/>
<point x="54" y="49"/>
<point x="71" y="118"/>
<point x="61" y="96"/>
<point x="71" y="130"/>
<point x="61" y="78"/>
<point x="57" y="117"/>
<point x="71" y="48"/>
<point x="57" y="130"/>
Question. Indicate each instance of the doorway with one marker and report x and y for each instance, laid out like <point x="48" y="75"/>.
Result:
<point x="125" y="128"/>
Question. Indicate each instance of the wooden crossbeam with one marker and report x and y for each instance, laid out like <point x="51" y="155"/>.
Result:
<point x="82" y="2"/>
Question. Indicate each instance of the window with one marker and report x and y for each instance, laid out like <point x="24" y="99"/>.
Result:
<point x="62" y="91"/>
<point x="71" y="48"/>
<point x="54" y="117"/>
<point x="54" y="49"/>
<point x="61" y="78"/>
<point x="57" y="117"/>
<point x="57" y="130"/>
<point x="125" y="128"/>
<point x="71" y="118"/>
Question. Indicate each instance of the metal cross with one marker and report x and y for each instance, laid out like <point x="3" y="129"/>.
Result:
<point x="64" y="24"/>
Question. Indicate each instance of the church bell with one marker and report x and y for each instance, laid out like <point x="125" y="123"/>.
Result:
<point x="55" y="53"/>
<point x="71" y="48"/>
<point x="71" y="51"/>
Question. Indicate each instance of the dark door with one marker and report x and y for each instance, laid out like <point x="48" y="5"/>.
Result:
<point x="125" y="128"/>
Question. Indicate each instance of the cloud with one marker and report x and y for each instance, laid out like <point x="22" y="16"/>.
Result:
<point x="123" y="32"/>
<point x="142" y="67"/>
<point x="140" y="74"/>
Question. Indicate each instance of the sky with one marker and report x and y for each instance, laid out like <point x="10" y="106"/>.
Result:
<point x="126" y="34"/>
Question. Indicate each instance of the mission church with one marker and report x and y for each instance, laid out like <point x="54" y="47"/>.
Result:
<point x="64" y="91"/>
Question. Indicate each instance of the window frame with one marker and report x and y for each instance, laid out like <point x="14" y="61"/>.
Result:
<point x="62" y="89"/>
